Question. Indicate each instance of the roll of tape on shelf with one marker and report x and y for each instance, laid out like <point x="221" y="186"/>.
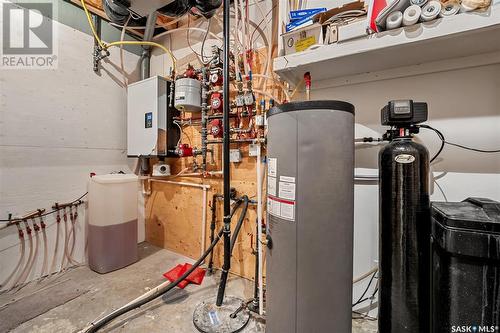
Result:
<point x="449" y="8"/>
<point x="419" y="3"/>
<point x="411" y="15"/>
<point x="430" y="11"/>
<point x="394" y="20"/>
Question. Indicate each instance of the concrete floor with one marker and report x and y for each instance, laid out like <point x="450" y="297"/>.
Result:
<point x="99" y="294"/>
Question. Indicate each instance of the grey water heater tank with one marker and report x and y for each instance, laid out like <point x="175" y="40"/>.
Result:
<point x="310" y="199"/>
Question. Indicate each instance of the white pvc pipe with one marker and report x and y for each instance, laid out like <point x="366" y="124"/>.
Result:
<point x="204" y="222"/>
<point x="205" y="188"/>
<point x="19" y="279"/>
<point x="19" y="263"/>
<point x="259" y="230"/>
<point x="179" y="183"/>
<point x="198" y="174"/>
<point x="244" y="37"/>
<point x="365" y="275"/>
<point x="56" y="246"/>
<point x="148" y="293"/>
<point x="65" y="253"/>
<point x="45" y="254"/>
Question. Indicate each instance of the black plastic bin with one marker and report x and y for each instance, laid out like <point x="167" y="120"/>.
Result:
<point x="466" y="266"/>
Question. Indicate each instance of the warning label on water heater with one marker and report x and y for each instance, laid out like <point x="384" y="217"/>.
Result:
<point x="272" y="166"/>
<point x="271" y="185"/>
<point x="281" y="208"/>
<point x="287" y="190"/>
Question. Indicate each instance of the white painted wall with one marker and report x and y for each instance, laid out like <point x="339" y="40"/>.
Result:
<point x="57" y="126"/>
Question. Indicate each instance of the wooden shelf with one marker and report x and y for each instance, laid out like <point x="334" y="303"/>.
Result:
<point x="459" y="36"/>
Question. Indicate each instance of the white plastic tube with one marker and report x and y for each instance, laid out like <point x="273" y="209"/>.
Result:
<point x="244" y="36"/>
<point x="204" y="221"/>
<point x="269" y="46"/>
<point x="411" y="15"/>
<point x="365" y="275"/>
<point x="259" y="230"/>
<point x="31" y="260"/>
<point x="65" y="253"/>
<point x="43" y="272"/>
<point x="18" y="265"/>
<point x="430" y="11"/>
<point x="56" y="246"/>
<point x="237" y="45"/>
<point x="394" y="20"/>
<point x="28" y="261"/>
<point x="34" y="259"/>
<point x="72" y="239"/>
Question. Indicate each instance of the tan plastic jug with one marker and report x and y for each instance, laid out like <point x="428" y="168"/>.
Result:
<point x="112" y="232"/>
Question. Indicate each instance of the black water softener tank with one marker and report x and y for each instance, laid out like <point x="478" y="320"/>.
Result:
<point x="466" y="266"/>
<point x="404" y="224"/>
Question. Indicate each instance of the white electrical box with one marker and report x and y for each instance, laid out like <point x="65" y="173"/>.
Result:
<point x="150" y="128"/>
<point x="259" y="120"/>
<point x="253" y="149"/>
<point x="234" y="155"/>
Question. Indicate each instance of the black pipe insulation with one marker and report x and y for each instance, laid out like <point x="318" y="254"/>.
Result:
<point x="212" y="224"/>
<point x="105" y="320"/>
<point x="240" y="221"/>
<point x="212" y="230"/>
<point x="226" y="146"/>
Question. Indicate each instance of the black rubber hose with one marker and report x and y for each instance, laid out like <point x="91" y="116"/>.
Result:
<point x="212" y="231"/>
<point x="103" y="321"/>
<point x="212" y="226"/>
<point x="240" y="222"/>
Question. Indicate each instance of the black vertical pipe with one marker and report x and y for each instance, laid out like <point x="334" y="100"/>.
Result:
<point x="212" y="231"/>
<point x="96" y="20"/>
<point x="226" y="170"/>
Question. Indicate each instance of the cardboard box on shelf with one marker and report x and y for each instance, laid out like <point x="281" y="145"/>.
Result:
<point x="302" y="39"/>
<point x="320" y="31"/>
<point x="356" y="29"/>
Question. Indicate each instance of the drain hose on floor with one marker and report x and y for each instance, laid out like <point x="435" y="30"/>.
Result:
<point x="165" y="287"/>
<point x="93" y="327"/>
